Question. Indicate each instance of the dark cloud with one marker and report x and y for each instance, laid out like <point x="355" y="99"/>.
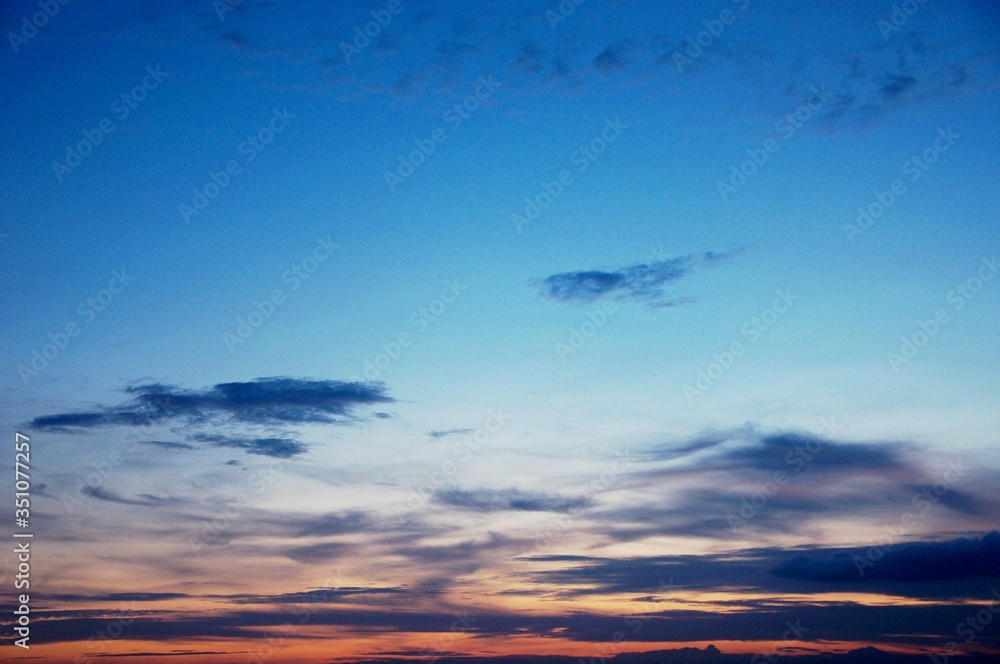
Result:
<point x="911" y="562"/>
<point x="490" y="500"/>
<point x="613" y="58"/>
<point x="744" y="483"/>
<point x="893" y="85"/>
<point x="169" y="445"/>
<point x="278" y="448"/>
<point x="264" y="401"/>
<point x="111" y="496"/>
<point x="449" y="432"/>
<point x="314" y="554"/>
<point x="643" y="282"/>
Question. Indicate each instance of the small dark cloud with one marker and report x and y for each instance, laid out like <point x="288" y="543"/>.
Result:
<point x="489" y="500"/>
<point x="643" y="282"/>
<point x="613" y="58"/>
<point x="233" y="38"/>
<point x="317" y="553"/>
<point x="894" y="85"/>
<point x="449" y="432"/>
<point x="264" y="401"/>
<point x="169" y="445"/>
<point x="111" y="496"/>
<point x="278" y="448"/>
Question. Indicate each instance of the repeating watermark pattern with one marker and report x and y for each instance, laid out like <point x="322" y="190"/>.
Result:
<point x="302" y="613"/>
<point x="370" y="31"/>
<point x="596" y="318"/>
<point x="454" y="117"/>
<point x="929" y="328"/>
<point x="562" y="11"/>
<point x="213" y="530"/>
<point x="793" y="632"/>
<point x="97" y="643"/>
<point x="632" y="625"/>
<point x="694" y="47"/>
<point x="785" y="128"/>
<point x="922" y="501"/>
<point x="30" y="25"/>
<point x="796" y="460"/>
<point x="419" y="321"/>
<point x="580" y="334"/>
<point x="86" y="312"/>
<point x="914" y="168"/>
<point x="223" y="7"/>
<point x="970" y="628"/>
<point x="121" y="107"/>
<point x="753" y="330"/>
<point x="461" y="454"/>
<point x="300" y="272"/>
<point x="559" y="524"/>
<point x="249" y="149"/>
<point x="899" y="16"/>
<point x="444" y="642"/>
<point x="582" y="158"/>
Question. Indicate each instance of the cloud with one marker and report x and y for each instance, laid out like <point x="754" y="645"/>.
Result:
<point x="449" y="432"/>
<point x="642" y="282"/>
<point x="264" y="401"/>
<point x="612" y="59"/>
<point x="911" y="562"/>
<point x="745" y="483"/>
<point x="489" y="500"/>
<point x="318" y="553"/>
<point x="278" y="448"/>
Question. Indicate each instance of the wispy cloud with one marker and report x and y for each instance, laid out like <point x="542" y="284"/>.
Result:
<point x="642" y="282"/>
<point x="264" y="401"/>
<point x="491" y="500"/>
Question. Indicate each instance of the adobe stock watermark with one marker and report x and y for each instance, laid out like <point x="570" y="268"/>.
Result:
<point x="899" y="16"/>
<point x="785" y="128"/>
<point x="970" y="628"/>
<point x="254" y="144"/>
<point x="121" y="107"/>
<point x="420" y="321"/>
<point x="97" y="643"/>
<point x="957" y="297"/>
<point x="365" y="34"/>
<point x="582" y="158"/>
<point x="300" y="272"/>
<point x="914" y="167"/>
<point x="86" y="313"/>
<point x="213" y="530"/>
<point x="445" y="642"/>
<point x="559" y="524"/>
<point x="461" y="454"/>
<point x="30" y="25"/>
<point x="922" y="500"/>
<point x="752" y="330"/>
<point x="714" y="27"/>
<point x="562" y="11"/>
<point x="797" y="459"/>
<point x="223" y="7"/>
<point x="454" y="117"/>
<point x="793" y="632"/>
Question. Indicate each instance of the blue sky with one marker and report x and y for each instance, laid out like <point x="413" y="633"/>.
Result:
<point x="638" y="264"/>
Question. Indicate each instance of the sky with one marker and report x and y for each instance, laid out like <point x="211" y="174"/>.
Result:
<point x="428" y="331"/>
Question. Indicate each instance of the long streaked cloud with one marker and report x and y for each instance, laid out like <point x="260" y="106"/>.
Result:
<point x="641" y="282"/>
<point x="501" y="500"/>
<point x="264" y="401"/>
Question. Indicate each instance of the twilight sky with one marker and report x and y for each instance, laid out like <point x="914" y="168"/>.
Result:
<point x="371" y="330"/>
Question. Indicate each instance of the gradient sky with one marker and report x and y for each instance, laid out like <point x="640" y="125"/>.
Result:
<point x="568" y="370"/>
